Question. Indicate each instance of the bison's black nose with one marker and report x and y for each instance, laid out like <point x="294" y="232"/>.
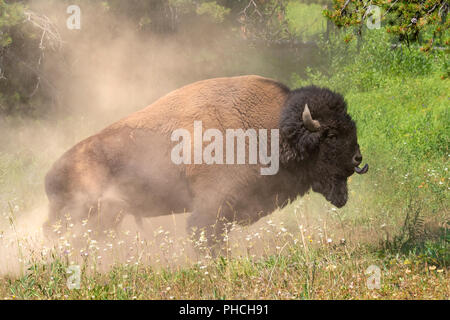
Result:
<point x="357" y="159"/>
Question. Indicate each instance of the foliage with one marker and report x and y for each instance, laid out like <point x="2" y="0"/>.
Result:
<point x="19" y="47"/>
<point x="406" y="19"/>
<point x="371" y="63"/>
<point x="216" y="12"/>
<point x="10" y="16"/>
<point x="264" y="20"/>
<point x="305" y="21"/>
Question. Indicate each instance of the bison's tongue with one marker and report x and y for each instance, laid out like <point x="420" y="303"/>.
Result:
<point x="362" y="170"/>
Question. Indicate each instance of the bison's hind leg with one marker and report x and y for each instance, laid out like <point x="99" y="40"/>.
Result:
<point x="50" y="227"/>
<point x="94" y="217"/>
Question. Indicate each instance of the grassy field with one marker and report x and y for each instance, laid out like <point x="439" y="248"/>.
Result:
<point x="396" y="221"/>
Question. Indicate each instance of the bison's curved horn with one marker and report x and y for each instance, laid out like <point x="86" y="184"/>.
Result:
<point x="309" y="122"/>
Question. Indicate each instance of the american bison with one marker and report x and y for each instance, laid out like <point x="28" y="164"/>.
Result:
<point x="128" y="167"/>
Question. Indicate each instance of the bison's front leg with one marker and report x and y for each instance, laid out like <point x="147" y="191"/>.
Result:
<point x="207" y="226"/>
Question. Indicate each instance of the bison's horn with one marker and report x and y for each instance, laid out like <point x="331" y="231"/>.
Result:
<point x="310" y="123"/>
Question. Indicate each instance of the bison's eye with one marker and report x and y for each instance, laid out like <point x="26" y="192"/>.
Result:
<point x="332" y="136"/>
<point x="331" y="132"/>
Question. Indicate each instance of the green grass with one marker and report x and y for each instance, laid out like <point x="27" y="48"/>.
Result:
<point x="404" y="131"/>
<point x="333" y="272"/>
<point x="305" y="20"/>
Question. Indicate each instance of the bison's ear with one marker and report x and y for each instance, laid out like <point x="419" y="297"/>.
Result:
<point x="298" y="140"/>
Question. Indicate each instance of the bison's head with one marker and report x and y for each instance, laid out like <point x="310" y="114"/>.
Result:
<point x="319" y="139"/>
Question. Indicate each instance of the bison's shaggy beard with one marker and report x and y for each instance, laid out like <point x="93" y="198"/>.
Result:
<point x="335" y="192"/>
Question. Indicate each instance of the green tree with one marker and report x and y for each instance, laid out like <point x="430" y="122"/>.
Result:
<point x="24" y="38"/>
<point x="10" y="16"/>
<point x="423" y="21"/>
